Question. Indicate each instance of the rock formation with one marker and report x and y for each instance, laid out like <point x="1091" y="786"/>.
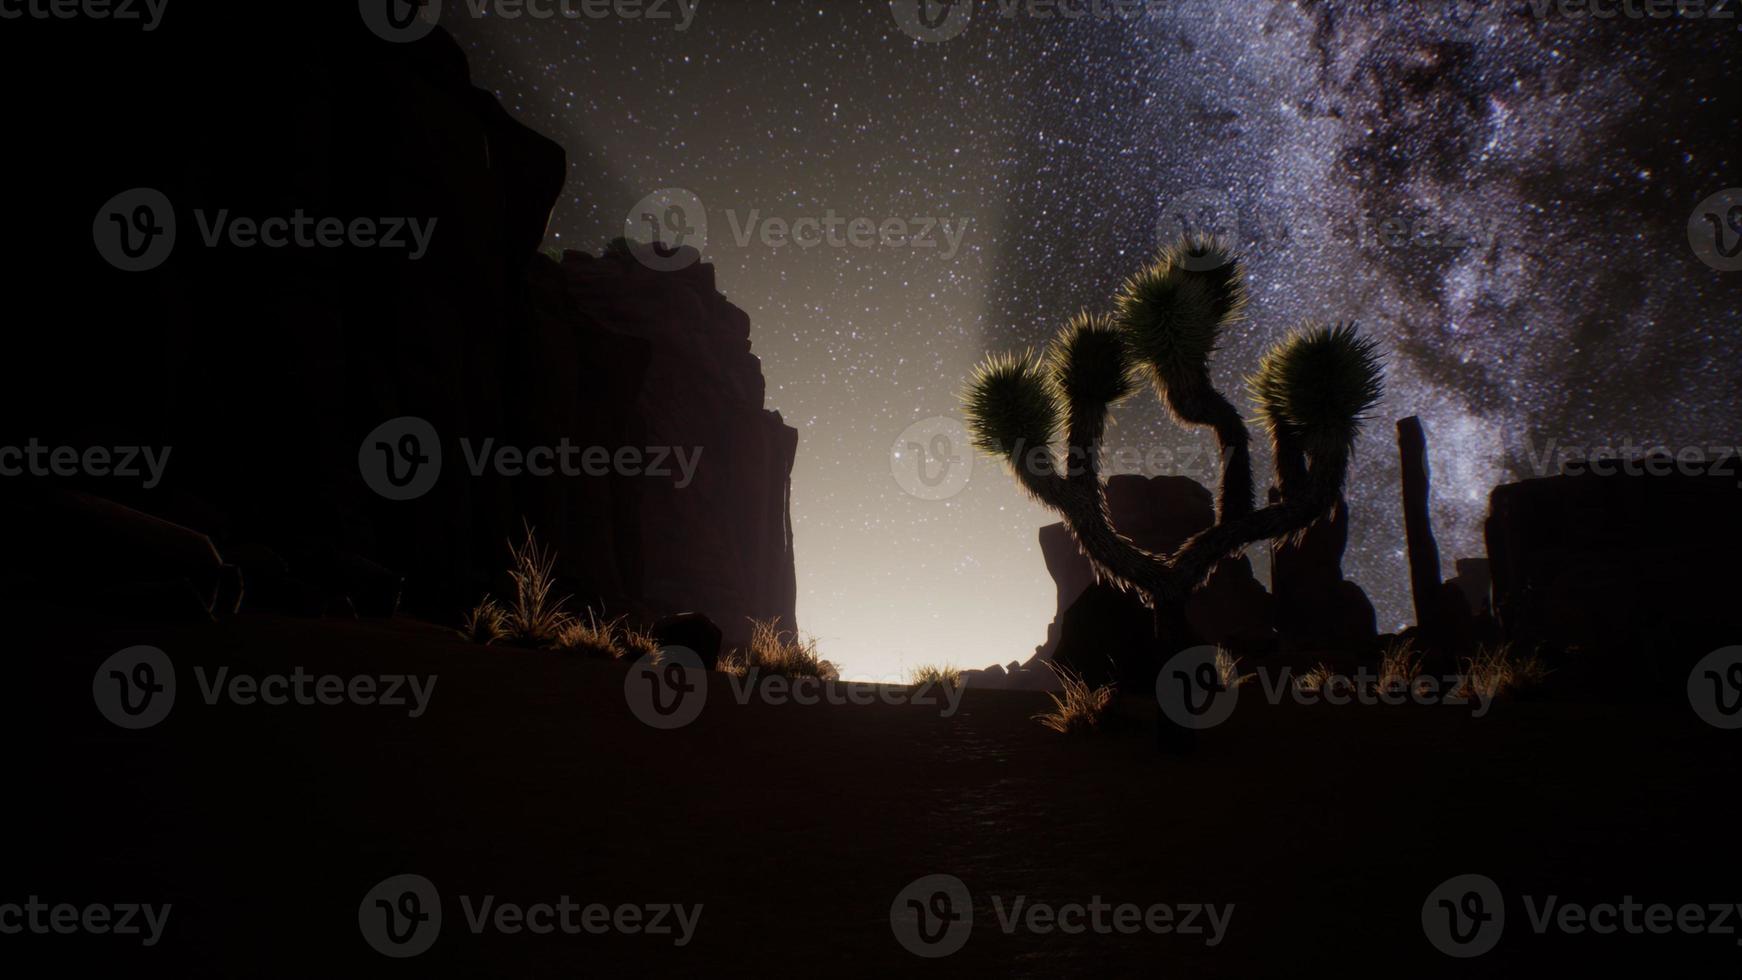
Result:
<point x="264" y="369"/>
<point x="1097" y="625"/>
<point x="1317" y="609"/>
<point x="1634" y="561"/>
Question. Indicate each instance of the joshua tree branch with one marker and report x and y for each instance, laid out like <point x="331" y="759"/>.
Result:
<point x="1082" y="503"/>
<point x="1315" y="496"/>
<point x="1202" y="404"/>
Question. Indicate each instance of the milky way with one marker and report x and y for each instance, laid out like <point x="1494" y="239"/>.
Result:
<point x="1502" y="199"/>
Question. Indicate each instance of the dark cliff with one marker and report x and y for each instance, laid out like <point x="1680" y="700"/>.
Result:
<point x="264" y="370"/>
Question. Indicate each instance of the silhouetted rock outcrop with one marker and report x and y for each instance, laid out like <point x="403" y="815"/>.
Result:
<point x="718" y="537"/>
<point x="1424" y="550"/>
<point x="1316" y="607"/>
<point x="1635" y="561"/>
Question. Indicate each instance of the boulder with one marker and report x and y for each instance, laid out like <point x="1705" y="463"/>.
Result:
<point x="692" y="631"/>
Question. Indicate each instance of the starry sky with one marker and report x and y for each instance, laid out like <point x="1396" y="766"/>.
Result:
<point x="1502" y="200"/>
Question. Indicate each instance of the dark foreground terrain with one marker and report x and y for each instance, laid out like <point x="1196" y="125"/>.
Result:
<point x="528" y="778"/>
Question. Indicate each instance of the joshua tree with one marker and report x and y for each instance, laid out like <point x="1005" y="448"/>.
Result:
<point x="1313" y="391"/>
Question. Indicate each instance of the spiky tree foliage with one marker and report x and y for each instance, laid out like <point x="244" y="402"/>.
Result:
<point x="1314" y="389"/>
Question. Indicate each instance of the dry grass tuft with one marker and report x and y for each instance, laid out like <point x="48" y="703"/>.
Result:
<point x="782" y="653"/>
<point x="1399" y="666"/>
<point x="933" y="674"/>
<point x="1228" y="669"/>
<point x="486" y="623"/>
<point x="1495" y="671"/>
<point x="535" y="618"/>
<point x="1078" y="707"/>
<point x="606" y="639"/>
<point x="1316" y="679"/>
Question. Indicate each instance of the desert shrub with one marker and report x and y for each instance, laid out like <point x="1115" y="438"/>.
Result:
<point x="1077" y="707"/>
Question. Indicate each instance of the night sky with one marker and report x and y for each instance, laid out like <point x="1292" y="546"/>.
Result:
<point x="1546" y="171"/>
